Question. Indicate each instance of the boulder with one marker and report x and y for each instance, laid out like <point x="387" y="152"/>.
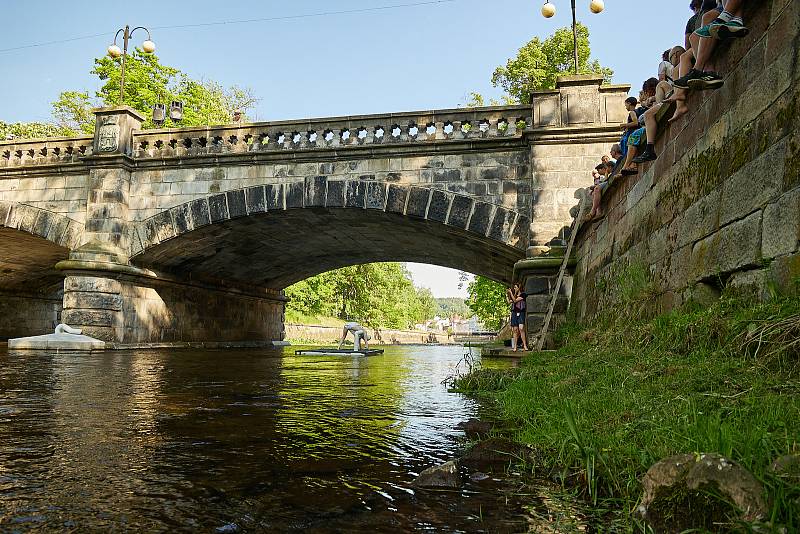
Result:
<point x="475" y="428"/>
<point x="492" y="451"/>
<point x="440" y="476"/>
<point x="703" y="491"/>
<point x="787" y="467"/>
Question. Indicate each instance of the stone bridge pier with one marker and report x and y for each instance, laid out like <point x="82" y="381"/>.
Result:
<point x="190" y="235"/>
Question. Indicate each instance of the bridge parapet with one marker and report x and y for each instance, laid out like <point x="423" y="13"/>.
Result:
<point x="54" y="150"/>
<point x="410" y="128"/>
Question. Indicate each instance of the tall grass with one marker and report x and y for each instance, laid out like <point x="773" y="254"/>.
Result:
<point x="626" y="393"/>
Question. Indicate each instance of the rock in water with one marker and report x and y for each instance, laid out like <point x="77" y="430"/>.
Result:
<point x="440" y="476"/>
<point x="475" y="428"/>
<point x="493" y="451"/>
<point x="689" y="491"/>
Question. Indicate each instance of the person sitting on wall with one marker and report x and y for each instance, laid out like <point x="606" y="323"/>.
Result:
<point x="728" y="24"/>
<point x="603" y="171"/>
<point x="358" y="334"/>
<point x="631" y="124"/>
<point x="636" y="138"/>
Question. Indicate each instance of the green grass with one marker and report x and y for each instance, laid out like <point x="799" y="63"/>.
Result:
<point x="296" y="317"/>
<point x="621" y="395"/>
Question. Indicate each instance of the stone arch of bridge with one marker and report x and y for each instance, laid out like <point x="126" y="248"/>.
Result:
<point x="277" y="234"/>
<point x="33" y="240"/>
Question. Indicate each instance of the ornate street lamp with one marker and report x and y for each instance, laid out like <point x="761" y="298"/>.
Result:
<point x="548" y="10"/>
<point x="114" y="51"/>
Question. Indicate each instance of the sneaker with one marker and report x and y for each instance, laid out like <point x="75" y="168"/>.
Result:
<point x="647" y="155"/>
<point x="705" y="31"/>
<point x="719" y="29"/>
<point x="683" y="81"/>
<point x="706" y="80"/>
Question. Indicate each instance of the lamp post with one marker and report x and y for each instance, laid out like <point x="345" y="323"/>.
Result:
<point x="114" y="51"/>
<point x="548" y="10"/>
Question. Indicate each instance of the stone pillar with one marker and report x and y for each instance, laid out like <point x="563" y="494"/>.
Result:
<point x="538" y="275"/>
<point x="92" y="291"/>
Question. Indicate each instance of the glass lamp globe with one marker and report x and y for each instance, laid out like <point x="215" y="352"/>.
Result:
<point x="149" y="46"/>
<point x="596" y="6"/>
<point x="114" y="51"/>
<point x="548" y="10"/>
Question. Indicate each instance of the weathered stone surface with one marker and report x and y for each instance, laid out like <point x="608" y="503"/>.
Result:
<point x="201" y="215"/>
<point x="91" y="284"/>
<point x="274" y="195"/>
<point x="733" y="247"/>
<point x="460" y="210"/>
<point x="256" y="201"/>
<point x="481" y="217"/>
<point x="236" y="203"/>
<point x="417" y="204"/>
<point x="439" y="206"/>
<point x="376" y="195"/>
<point x="355" y="196"/>
<point x="475" y="428"/>
<point x="695" y="492"/>
<point x="781" y="229"/>
<point x="492" y="451"/>
<point x="440" y="476"/>
<point x="396" y="198"/>
<point x="295" y="195"/>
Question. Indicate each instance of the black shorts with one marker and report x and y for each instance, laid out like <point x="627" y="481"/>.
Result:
<point x="518" y="318"/>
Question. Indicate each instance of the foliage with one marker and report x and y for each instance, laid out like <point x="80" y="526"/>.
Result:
<point x="379" y="295"/>
<point x="147" y="82"/>
<point x="625" y="393"/>
<point x="539" y="62"/>
<point x="32" y="130"/>
<point x="450" y="306"/>
<point x="487" y="299"/>
<point x="476" y="100"/>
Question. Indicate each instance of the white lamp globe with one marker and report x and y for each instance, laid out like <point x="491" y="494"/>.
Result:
<point x="114" y="51"/>
<point x="149" y="46"/>
<point x="596" y="6"/>
<point x="548" y="10"/>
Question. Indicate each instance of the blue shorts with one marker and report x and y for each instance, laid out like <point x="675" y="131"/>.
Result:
<point x="637" y="137"/>
<point x="517" y="318"/>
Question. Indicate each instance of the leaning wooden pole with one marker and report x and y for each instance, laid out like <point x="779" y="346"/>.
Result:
<point x="575" y="227"/>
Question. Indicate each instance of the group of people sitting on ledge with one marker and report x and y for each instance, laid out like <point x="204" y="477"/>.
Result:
<point x="683" y="69"/>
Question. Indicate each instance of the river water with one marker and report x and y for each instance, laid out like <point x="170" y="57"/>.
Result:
<point x="236" y="441"/>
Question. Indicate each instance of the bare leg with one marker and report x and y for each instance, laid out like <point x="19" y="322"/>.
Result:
<point x="650" y="124"/>
<point x="514" y="338"/>
<point x="344" y="336"/>
<point x="524" y="337"/>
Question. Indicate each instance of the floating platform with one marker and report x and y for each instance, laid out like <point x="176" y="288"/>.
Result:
<point x="340" y="352"/>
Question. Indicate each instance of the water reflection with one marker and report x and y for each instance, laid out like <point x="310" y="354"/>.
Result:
<point x="233" y="440"/>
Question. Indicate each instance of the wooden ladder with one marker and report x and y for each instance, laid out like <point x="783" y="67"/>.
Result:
<point x="575" y="227"/>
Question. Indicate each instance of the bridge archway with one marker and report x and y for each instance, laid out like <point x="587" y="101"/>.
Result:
<point x="278" y="234"/>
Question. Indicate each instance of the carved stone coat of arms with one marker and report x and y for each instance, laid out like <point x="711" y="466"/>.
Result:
<point x="108" y="135"/>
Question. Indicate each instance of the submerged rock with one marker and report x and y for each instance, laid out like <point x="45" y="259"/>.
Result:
<point x="704" y="491"/>
<point x="475" y="428"/>
<point x="492" y="451"/>
<point x="440" y="476"/>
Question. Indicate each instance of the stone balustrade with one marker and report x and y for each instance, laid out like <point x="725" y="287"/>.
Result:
<point x="335" y="133"/>
<point x="54" y="150"/>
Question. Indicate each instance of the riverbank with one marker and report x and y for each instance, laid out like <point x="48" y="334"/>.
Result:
<point x="622" y="395"/>
<point x="318" y="334"/>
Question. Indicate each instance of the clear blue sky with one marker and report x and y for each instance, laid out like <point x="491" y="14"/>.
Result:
<point x="390" y="60"/>
<point x="408" y="58"/>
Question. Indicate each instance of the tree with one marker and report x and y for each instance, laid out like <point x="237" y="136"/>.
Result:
<point x="487" y="299"/>
<point x="147" y="81"/>
<point x="538" y="64"/>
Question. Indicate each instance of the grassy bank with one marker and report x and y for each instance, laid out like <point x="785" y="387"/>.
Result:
<point x="621" y="395"/>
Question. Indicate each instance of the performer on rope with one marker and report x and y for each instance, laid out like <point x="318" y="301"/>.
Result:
<point x="358" y="333"/>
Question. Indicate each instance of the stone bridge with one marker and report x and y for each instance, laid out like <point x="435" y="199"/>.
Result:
<point x="191" y="234"/>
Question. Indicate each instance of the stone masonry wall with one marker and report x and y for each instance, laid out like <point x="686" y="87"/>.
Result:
<point x="164" y="312"/>
<point x="65" y="194"/>
<point x="28" y="315"/>
<point x="721" y="206"/>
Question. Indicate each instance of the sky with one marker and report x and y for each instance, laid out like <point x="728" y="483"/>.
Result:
<point x="319" y="58"/>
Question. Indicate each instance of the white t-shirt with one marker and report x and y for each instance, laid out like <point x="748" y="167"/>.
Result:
<point x="666" y="68"/>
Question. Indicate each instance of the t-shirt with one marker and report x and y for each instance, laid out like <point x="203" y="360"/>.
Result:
<point x="520" y="305"/>
<point x="665" y="67"/>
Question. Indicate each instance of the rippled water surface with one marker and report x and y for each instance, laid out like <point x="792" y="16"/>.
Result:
<point x="232" y="440"/>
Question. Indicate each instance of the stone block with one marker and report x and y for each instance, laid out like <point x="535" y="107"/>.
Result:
<point x="315" y="191"/>
<point x="439" y="206"/>
<point x="92" y="301"/>
<point x="754" y="185"/>
<point x="700" y="219"/>
<point x="218" y="208"/>
<point x="201" y="215"/>
<point x="81" y="317"/>
<point x="236" y="203"/>
<point x="159" y="228"/>
<point x="335" y="194"/>
<point x="417" y="202"/>
<point x="396" y="198"/>
<point x="537" y="285"/>
<point x="275" y="198"/>
<point x="255" y="200"/>
<point x="181" y="218"/>
<point x="732" y="248"/>
<point x="750" y="285"/>
<point x="481" y="217"/>
<point x="460" y="210"/>
<point x="42" y="224"/>
<point x="376" y="195"/>
<point x="355" y="194"/>
<point x="781" y="232"/>
<point x="295" y="194"/>
<point x="784" y="274"/>
<point x="501" y="224"/>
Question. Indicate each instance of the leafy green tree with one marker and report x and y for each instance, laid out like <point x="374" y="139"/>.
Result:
<point x="450" y="306"/>
<point x="487" y="299"/>
<point x="32" y="130"/>
<point x="379" y="295"/>
<point x="539" y="62"/>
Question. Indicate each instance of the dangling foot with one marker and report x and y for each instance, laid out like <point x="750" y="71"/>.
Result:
<point x="681" y="110"/>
